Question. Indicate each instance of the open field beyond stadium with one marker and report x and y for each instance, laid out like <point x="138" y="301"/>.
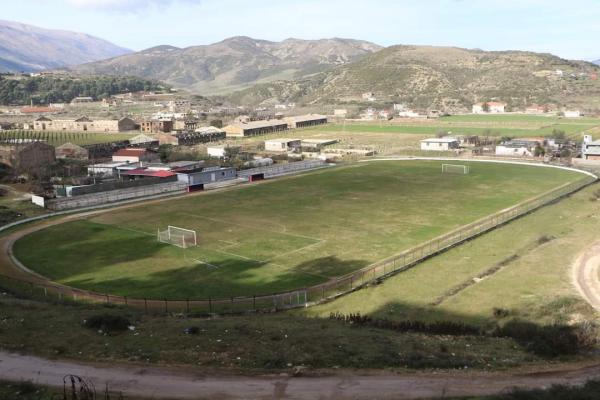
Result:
<point x="279" y="235"/>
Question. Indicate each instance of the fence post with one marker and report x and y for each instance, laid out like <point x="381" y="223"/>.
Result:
<point x="125" y="297"/>
<point x="254" y="302"/>
<point x="187" y="306"/>
<point x="166" y="307"/>
<point x="107" y="299"/>
<point x="146" y="305"/>
<point x="209" y="305"/>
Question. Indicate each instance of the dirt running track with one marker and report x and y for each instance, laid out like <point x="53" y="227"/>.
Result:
<point x="155" y="382"/>
<point x="586" y="275"/>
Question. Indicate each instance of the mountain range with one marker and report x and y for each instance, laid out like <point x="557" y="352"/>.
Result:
<point x="444" y="78"/>
<point x="234" y="63"/>
<point x="26" y="48"/>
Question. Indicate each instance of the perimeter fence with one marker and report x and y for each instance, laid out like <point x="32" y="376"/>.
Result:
<point x="36" y="286"/>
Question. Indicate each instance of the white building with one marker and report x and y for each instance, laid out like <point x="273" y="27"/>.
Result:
<point x="216" y="151"/>
<point x="514" y="150"/>
<point x="493" y="107"/>
<point x="440" y="144"/>
<point x="573" y="114"/>
<point x="591" y="148"/>
<point x="283" y="145"/>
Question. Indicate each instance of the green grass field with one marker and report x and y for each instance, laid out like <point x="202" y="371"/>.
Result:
<point x="279" y="235"/>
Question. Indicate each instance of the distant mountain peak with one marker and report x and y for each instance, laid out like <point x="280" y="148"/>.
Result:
<point x="234" y="63"/>
<point x="29" y="48"/>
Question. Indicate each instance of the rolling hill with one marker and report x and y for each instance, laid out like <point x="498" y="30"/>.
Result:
<point x="234" y="63"/>
<point x="445" y="78"/>
<point x="26" y="48"/>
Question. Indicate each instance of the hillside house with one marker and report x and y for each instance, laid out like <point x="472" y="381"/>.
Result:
<point x="573" y="114"/>
<point x="160" y="125"/>
<point x="489" y="107"/>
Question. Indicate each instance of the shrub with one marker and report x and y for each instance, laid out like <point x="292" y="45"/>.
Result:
<point x="501" y="312"/>
<point x="549" y="340"/>
<point x="108" y="323"/>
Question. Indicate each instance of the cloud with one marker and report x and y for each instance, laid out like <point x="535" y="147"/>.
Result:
<point x="131" y="6"/>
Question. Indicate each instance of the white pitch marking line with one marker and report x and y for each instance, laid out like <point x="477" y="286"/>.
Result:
<point x="207" y="264"/>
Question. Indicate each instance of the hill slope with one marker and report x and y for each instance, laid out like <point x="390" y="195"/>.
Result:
<point x="441" y="78"/>
<point x="29" y="48"/>
<point x="234" y="63"/>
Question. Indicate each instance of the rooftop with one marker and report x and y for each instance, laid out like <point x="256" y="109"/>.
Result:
<point x="440" y="140"/>
<point x="130" y="152"/>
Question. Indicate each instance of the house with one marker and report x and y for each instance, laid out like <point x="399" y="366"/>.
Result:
<point x="524" y="147"/>
<point x="160" y="125"/>
<point x="134" y="156"/>
<point x="573" y="114"/>
<point x="71" y="151"/>
<point x="144" y="140"/>
<point x="283" y="145"/>
<point x="490" y="107"/>
<point x="304" y="121"/>
<point x="254" y="128"/>
<point x="440" y="144"/>
<point x="340" y="113"/>
<point x="84" y="124"/>
<point x="106" y="170"/>
<point x="196" y="180"/>
<point x="590" y="149"/>
<point x="216" y="151"/>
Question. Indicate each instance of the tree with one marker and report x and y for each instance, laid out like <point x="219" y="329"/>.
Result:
<point x="217" y="123"/>
<point x="539" y="151"/>
<point x="485" y="107"/>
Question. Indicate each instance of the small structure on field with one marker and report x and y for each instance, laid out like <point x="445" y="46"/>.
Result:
<point x="590" y="149"/>
<point x="255" y="128"/>
<point x="283" y="145"/>
<point x="305" y="121"/>
<point x="135" y="156"/>
<point x="195" y="180"/>
<point x="489" y="107"/>
<point x="440" y="144"/>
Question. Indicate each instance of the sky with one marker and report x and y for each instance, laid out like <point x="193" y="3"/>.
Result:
<point x="570" y="29"/>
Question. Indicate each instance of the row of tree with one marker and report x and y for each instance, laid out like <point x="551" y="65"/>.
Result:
<point x="53" y="89"/>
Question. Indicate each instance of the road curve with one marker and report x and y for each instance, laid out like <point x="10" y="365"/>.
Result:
<point x="180" y="383"/>
<point x="586" y="275"/>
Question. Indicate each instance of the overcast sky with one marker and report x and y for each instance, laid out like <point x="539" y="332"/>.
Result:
<point x="570" y="29"/>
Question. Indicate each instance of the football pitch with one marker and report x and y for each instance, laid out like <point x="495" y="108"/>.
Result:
<point x="277" y="235"/>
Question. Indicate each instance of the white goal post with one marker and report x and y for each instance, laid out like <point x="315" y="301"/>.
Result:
<point x="179" y="237"/>
<point x="455" y="169"/>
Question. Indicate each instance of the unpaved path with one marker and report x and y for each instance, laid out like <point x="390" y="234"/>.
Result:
<point x="586" y="277"/>
<point x="157" y="382"/>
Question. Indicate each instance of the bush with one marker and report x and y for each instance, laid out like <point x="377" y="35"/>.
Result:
<point x="108" y="323"/>
<point x="549" y="340"/>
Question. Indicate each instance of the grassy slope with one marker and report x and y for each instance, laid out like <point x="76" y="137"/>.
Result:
<point x="280" y="235"/>
<point x="263" y="342"/>
<point x="535" y="286"/>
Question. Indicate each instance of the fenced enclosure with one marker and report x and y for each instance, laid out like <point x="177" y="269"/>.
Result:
<point x="303" y="297"/>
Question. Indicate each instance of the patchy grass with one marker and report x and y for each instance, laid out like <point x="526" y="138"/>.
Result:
<point x="533" y="283"/>
<point x="257" y="343"/>
<point x="279" y="235"/>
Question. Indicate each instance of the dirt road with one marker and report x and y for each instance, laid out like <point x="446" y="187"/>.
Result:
<point x="585" y="275"/>
<point x="156" y="382"/>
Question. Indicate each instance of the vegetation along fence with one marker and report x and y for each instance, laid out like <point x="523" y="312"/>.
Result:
<point x="304" y="297"/>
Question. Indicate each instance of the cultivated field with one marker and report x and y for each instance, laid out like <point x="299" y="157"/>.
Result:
<point x="278" y="235"/>
<point x="59" y="138"/>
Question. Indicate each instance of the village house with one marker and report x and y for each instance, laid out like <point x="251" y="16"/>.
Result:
<point x="283" y="145"/>
<point x="590" y="149"/>
<point x="304" y="121"/>
<point x="160" y="125"/>
<point x="84" y="124"/>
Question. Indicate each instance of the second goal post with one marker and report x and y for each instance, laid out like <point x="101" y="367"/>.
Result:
<point x="455" y="169"/>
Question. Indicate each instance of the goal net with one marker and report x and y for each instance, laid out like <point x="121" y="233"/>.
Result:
<point x="455" y="169"/>
<point x="179" y="237"/>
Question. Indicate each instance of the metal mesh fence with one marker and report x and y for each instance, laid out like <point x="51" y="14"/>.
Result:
<point x="306" y="296"/>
